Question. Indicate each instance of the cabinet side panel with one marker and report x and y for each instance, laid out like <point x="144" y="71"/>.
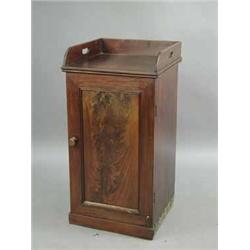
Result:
<point x="165" y="140"/>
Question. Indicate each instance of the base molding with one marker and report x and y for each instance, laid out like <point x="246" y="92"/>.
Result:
<point x="112" y="226"/>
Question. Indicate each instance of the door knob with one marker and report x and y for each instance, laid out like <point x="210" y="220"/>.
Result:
<point x="72" y="141"/>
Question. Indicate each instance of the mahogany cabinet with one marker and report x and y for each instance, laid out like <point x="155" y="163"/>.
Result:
<point x="121" y="100"/>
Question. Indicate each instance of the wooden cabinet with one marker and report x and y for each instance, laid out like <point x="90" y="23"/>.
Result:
<point x="121" y="99"/>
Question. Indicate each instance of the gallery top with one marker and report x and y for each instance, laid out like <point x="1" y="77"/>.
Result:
<point x="122" y="57"/>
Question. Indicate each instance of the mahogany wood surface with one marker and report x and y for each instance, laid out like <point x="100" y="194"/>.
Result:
<point x="122" y="56"/>
<point x="109" y="225"/>
<point x="165" y="140"/>
<point x="111" y="120"/>
<point x="131" y="200"/>
<point x="121" y="131"/>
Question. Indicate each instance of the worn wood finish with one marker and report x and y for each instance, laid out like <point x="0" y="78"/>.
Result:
<point x="165" y="140"/>
<point x="121" y="99"/>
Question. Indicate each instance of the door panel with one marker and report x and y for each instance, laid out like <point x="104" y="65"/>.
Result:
<point x="111" y="141"/>
<point x="111" y="165"/>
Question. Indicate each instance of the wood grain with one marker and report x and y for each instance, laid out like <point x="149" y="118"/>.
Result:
<point x="111" y="147"/>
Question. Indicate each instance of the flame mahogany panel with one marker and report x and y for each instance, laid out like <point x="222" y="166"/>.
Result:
<point x="110" y="125"/>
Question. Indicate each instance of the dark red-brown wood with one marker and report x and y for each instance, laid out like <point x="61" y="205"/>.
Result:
<point x="121" y="99"/>
<point x="116" y="56"/>
<point x="111" y="120"/>
<point x="165" y="140"/>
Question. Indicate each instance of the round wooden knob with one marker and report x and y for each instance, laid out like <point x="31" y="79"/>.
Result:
<point x="73" y="141"/>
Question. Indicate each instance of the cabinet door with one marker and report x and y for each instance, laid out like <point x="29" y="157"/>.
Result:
<point x="110" y="134"/>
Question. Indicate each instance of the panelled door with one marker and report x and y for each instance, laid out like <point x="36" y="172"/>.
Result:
<point x="110" y="129"/>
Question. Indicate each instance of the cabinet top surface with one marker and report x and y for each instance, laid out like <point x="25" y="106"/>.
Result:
<point x="136" y="57"/>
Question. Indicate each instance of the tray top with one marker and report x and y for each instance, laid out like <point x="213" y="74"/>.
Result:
<point x="132" y="57"/>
